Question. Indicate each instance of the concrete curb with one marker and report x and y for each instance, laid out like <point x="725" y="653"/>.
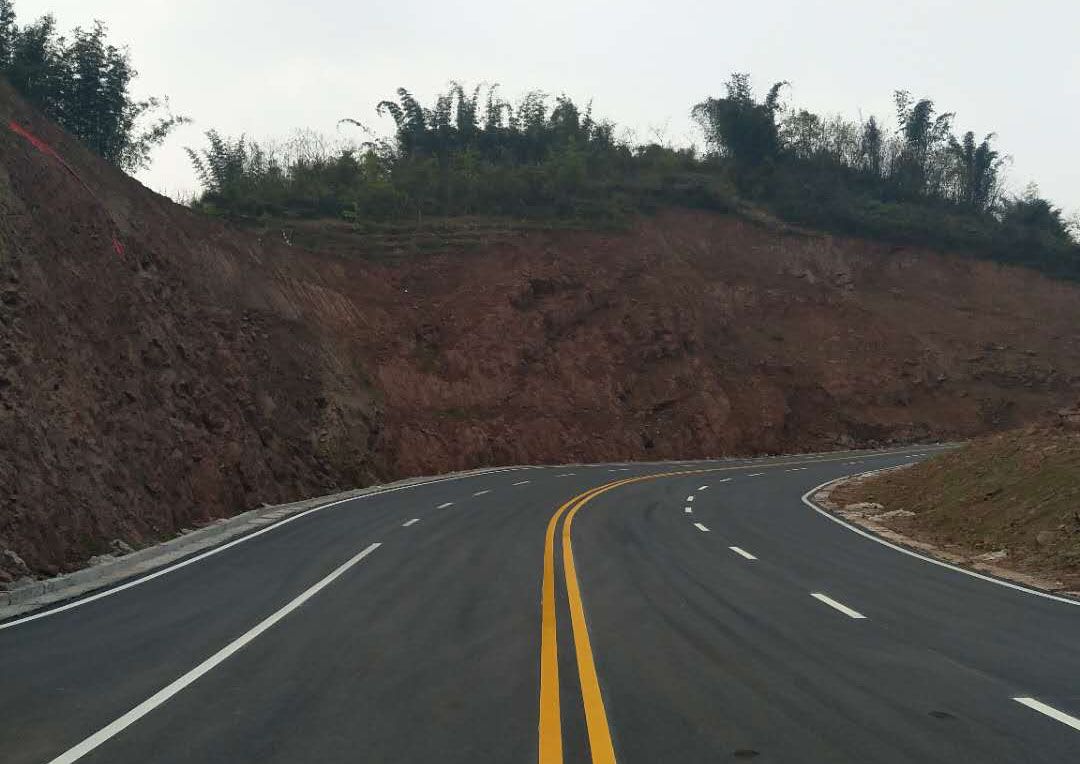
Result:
<point x="32" y="596"/>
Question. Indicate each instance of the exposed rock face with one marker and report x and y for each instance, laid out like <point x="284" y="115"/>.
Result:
<point x="198" y="371"/>
<point x="1069" y="417"/>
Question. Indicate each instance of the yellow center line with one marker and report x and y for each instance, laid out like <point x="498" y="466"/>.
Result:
<point x="550" y="746"/>
<point x="600" y="745"/>
<point x="550" y="727"/>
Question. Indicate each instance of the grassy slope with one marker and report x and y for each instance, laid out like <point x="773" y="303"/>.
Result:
<point x="1018" y="490"/>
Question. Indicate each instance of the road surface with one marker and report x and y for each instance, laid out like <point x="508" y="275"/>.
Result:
<point x="704" y="612"/>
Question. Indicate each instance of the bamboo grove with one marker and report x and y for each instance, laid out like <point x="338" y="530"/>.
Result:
<point x="473" y="153"/>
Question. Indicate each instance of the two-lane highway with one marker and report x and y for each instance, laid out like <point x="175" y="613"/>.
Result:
<point x="682" y="612"/>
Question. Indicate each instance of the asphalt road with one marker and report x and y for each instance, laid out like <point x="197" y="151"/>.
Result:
<point x="702" y="616"/>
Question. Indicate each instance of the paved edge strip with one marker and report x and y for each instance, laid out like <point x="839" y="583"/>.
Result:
<point x="111" y="587"/>
<point x="911" y="553"/>
<point x="161" y="696"/>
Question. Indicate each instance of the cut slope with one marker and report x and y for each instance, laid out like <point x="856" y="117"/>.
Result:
<point x="199" y="371"/>
<point x="152" y="385"/>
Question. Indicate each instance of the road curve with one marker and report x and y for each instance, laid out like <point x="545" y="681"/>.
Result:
<point x="678" y="612"/>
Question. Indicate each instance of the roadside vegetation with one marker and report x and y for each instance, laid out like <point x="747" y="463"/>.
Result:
<point x="473" y="153"/>
<point x="909" y="179"/>
<point x="82" y="82"/>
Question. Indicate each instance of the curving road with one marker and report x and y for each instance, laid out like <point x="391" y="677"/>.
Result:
<point x="704" y="612"/>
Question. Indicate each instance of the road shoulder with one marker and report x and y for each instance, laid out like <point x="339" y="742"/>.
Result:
<point x="840" y="498"/>
<point x="111" y="571"/>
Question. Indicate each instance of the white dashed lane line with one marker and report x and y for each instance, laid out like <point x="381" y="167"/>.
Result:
<point x="481" y="493"/>
<point x="177" y="685"/>
<point x="1053" y="713"/>
<point x="756" y="474"/>
<point x="414" y="521"/>
<point x="522" y="482"/>
<point x="567" y="474"/>
<point x="742" y="552"/>
<point x="703" y="488"/>
<point x="701" y="527"/>
<point x="850" y="613"/>
<point x="444" y="506"/>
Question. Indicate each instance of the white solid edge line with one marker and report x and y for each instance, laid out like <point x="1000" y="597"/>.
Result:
<point x="444" y="506"/>
<point x="414" y="521"/>
<point x="701" y="528"/>
<point x="940" y="563"/>
<point x="167" y="692"/>
<point x="1050" y="711"/>
<point x="228" y="545"/>
<point x="837" y="605"/>
<point x="742" y="552"/>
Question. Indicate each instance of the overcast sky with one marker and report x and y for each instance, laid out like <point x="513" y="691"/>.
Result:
<point x="265" y="67"/>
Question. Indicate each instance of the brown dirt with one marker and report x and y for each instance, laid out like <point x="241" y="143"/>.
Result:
<point x="207" y="370"/>
<point x="1008" y="503"/>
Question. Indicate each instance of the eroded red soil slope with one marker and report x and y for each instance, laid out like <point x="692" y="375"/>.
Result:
<point x="203" y="371"/>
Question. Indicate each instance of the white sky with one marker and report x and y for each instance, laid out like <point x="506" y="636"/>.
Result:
<point x="265" y="67"/>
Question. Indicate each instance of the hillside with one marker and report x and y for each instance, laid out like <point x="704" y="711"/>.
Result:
<point x="161" y="369"/>
<point x="1011" y="499"/>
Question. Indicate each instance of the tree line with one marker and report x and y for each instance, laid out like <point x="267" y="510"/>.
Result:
<point x="472" y="152"/>
<point x="917" y="181"/>
<point x="82" y="82"/>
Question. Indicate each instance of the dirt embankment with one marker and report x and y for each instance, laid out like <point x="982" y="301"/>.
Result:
<point x="1007" y="503"/>
<point x="196" y="371"/>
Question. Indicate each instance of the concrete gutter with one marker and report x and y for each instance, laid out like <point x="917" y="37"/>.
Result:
<point x="50" y="591"/>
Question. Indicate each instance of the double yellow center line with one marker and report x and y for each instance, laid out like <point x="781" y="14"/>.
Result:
<point x="551" y="751"/>
<point x="550" y="727"/>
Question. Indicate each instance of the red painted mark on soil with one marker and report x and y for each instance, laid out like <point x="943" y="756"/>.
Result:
<point x="41" y="146"/>
<point x="48" y="150"/>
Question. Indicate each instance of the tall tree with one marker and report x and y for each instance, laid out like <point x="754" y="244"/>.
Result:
<point x="871" y="144"/>
<point x="7" y="32"/>
<point x="739" y="127"/>
<point x="920" y="171"/>
<point x="84" y="84"/>
<point x="976" y="168"/>
<point x="36" y="66"/>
